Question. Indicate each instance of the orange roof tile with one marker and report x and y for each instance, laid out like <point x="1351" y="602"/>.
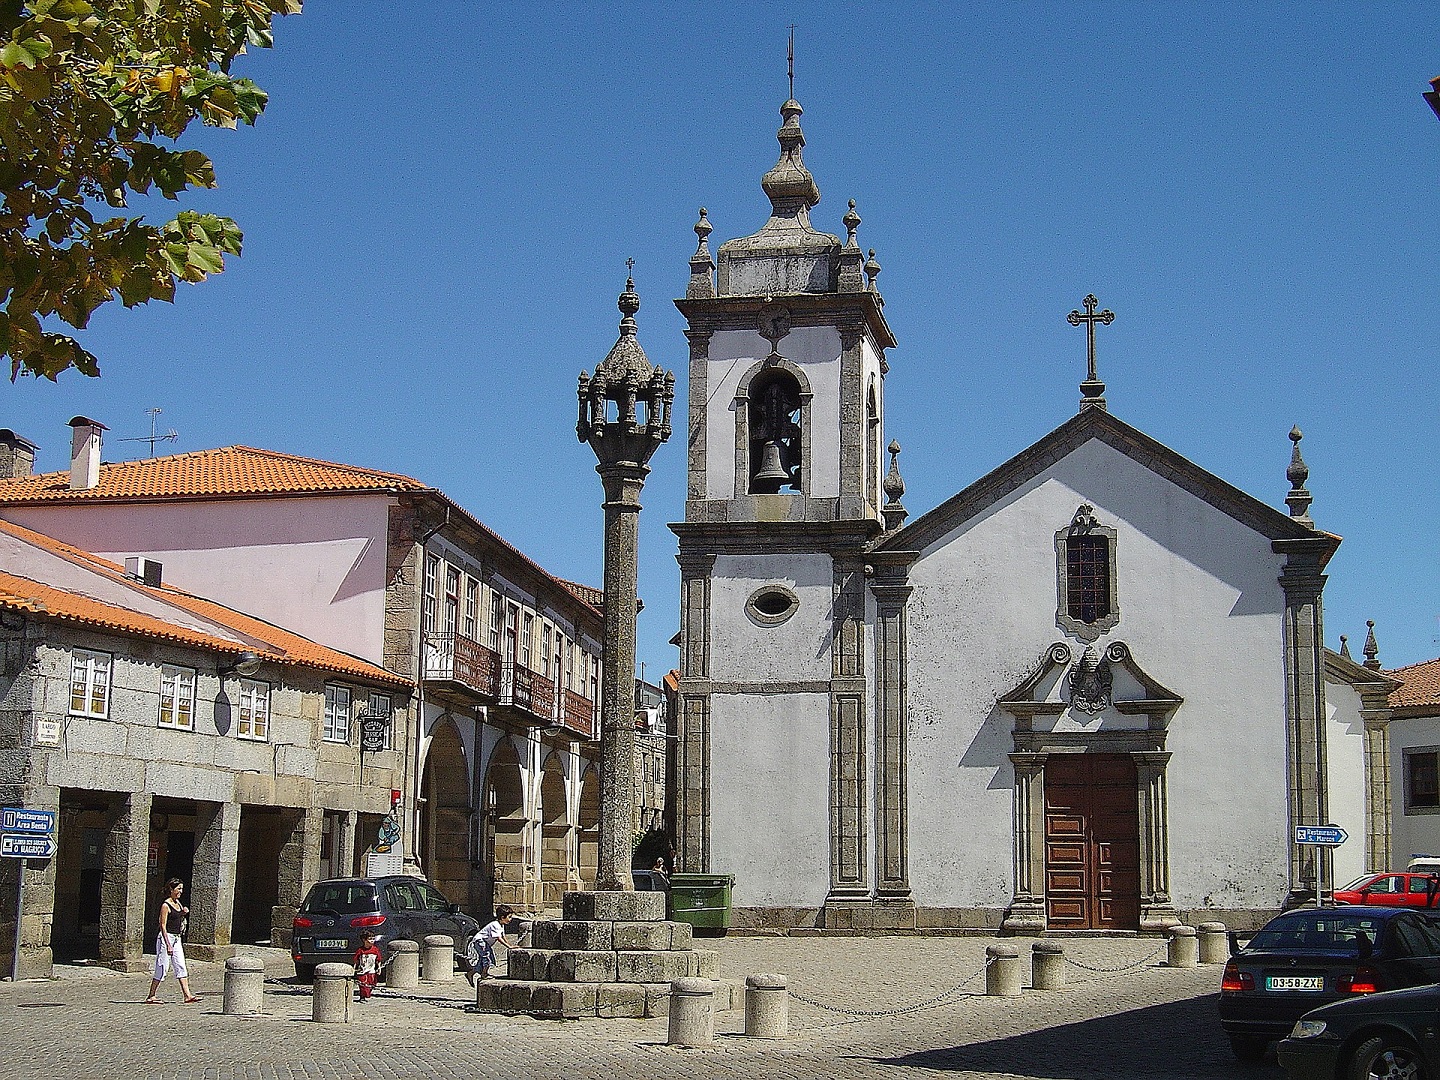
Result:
<point x="233" y="471"/>
<point x="1420" y="685"/>
<point x="586" y="594"/>
<point x="20" y="593"/>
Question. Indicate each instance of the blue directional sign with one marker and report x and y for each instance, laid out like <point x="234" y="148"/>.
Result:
<point x="1321" y="835"/>
<point x="14" y="846"/>
<point x="19" y="819"/>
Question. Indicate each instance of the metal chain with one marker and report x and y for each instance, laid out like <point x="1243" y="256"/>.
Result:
<point x="1115" y="970"/>
<point x="875" y="1014"/>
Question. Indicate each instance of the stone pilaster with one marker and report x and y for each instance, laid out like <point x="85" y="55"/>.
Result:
<point x="1156" y="909"/>
<point x="122" y="890"/>
<point x="692" y="750"/>
<point x="299" y="869"/>
<point x="1377" y="795"/>
<point x="212" y="882"/>
<point x="891" y="811"/>
<point x="849" y="773"/>
<point x="852" y="421"/>
<point x="1026" y="914"/>
<point x="346" y="842"/>
<point x="1303" y="584"/>
<point x="699" y="336"/>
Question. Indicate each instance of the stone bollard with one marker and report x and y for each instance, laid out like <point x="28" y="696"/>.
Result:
<point x="403" y="971"/>
<point x="334" y="987"/>
<point x="692" y="1012"/>
<point x="439" y="958"/>
<point x="1002" y="971"/>
<point x="1182" y="952"/>
<point x="767" y="1006"/>
<point x="1214" y="943"/>
<point x="1047" y="966"/>
<point x="244" y="986"/>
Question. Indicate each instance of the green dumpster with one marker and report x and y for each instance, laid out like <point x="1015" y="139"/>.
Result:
<point x="702" y="900"/>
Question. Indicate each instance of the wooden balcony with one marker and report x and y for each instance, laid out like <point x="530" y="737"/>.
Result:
<point x="577" y="715"/>
<point x="456" y="665"/>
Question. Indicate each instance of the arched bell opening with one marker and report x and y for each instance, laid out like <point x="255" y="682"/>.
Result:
<point x="776" y="457"/>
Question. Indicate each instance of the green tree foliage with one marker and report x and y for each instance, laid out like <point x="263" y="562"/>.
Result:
<point x="93" y="97"/>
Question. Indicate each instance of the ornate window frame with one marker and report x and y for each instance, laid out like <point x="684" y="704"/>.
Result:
<point x="742" y="424"/>
<point x="1084" y="524"/>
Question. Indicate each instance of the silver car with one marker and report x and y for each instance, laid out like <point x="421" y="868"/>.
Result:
<point x="328" y="925"/>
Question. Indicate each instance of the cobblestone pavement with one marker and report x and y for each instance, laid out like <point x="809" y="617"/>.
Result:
<point x="1147" y="1021"/>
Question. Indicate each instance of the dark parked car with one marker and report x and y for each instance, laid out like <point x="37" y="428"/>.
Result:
<point x="1389" y="1036"/>
<point x="328" y="925"/>
<point x="1312" y="956"/>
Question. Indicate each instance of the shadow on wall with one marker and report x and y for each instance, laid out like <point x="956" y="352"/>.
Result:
<point x="1136" y="1045"/>
<point x="990" y="749"/>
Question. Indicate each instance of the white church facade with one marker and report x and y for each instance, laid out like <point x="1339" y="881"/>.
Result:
<point x="1087" y="692"/>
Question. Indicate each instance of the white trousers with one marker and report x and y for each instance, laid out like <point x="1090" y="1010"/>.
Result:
<point x="165" y="958"/>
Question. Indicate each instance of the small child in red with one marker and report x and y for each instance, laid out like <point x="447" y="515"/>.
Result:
<point x="367" y="964"/>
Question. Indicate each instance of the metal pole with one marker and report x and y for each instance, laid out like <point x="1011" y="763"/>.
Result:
<point x="19" y="910"/>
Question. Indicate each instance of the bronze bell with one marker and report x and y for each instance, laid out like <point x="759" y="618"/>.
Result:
<point x="772" y="474"/>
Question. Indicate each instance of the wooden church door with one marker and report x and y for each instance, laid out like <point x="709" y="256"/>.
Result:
<point x="1092" y="842"/>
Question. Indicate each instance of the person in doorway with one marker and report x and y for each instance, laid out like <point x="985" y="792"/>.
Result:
<point x="658" y="873"/>
<point x="480" y="956"/>
<point x="169" y="948"/>
<point x="367" y="964"/>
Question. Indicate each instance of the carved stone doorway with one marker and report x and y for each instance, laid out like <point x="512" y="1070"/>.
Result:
<point x="1092" y="842"/>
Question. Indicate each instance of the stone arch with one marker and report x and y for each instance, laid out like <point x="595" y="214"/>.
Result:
<point x="555" y="876"/>
<point x="445" y="814"/>
<point x="506" y="828"/>
<point x="588" y="831"/>
<point x="759" y="382"/>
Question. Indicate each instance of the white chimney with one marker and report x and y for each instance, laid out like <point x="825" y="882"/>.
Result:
<point x="85" y="453"/>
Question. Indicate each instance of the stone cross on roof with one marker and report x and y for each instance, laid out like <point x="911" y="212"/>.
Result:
<point x="1092" y="390"/>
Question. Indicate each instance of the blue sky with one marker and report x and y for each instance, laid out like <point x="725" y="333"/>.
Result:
<point x="439" y="202"/>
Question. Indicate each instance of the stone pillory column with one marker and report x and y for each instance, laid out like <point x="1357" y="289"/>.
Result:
<point x="624" y="416"/>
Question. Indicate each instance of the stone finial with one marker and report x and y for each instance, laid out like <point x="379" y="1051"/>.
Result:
<point x="702" y="266"/>
<point x="872" y="271"/>
<point x="895" y="513"/>
<point x="1371" y="650"/>
<point x="1345" y="647"/>
<point x="851" y="279"/>
<point x="790" y="187"/>
<point x="1299" y="498"/>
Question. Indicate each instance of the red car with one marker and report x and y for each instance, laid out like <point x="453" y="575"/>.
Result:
<point x="1392" y="890"/>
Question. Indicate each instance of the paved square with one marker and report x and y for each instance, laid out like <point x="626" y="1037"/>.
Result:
<point x="1145" y="1022"/>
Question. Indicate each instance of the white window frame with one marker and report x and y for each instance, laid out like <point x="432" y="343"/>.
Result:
<point x="452" y="601"/>
<point x="429" y="601"/>
<point x="91" y="672"/>
<point x="252" y="711"/>
<point x="383" y="703"/>
<point x="337" y="713"/>
<point x="177" y="698"/>
<point x="527" y="637"/>
<point x="472" y="607"/>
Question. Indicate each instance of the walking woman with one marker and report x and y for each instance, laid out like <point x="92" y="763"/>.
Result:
<point x="169" y="949"/>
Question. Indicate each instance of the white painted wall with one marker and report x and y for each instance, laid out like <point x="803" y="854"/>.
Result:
<point x="1345" y="776"/>
<point x="799" y="648"/>
<point x="1416" y="832"/>
<point x="770" y="796"/>
<point x="816" y="350"/>
<point x="312" y="565"/>
<point x="1201" y="610"/>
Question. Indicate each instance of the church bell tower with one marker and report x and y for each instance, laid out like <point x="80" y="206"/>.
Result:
<point x="786" y="481"/>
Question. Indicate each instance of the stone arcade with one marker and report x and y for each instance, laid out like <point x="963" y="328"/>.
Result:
<point x="1088" y="691"/>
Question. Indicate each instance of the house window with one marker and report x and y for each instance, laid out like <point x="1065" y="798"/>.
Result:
<point x="1086" y="576"/>
<point x="472" y="607"/>
<point x="569" y="652"/>
<point x="594" y="680"/>
<point x="381" y="705"/>
<point x="497" y="619"/>
<point x="545" y="651"/>
<point x="774" y="419"/>
<point x="1422" y="780"/>
<point x="432" y="583"/>
<point x="90" y="683"/>
<point x="527" y="634"/>
<point x="253" y="711"/>
<point x="452" y="600"/>
<point x="337" y="714"/>
<point x="177" y="698"/>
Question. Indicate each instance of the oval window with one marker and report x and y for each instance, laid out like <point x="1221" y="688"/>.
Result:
<point x="772" y="605"/>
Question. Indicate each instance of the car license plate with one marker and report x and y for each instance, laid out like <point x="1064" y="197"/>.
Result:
<point x="341" y="943"/>
<point x="1294" y="982"/>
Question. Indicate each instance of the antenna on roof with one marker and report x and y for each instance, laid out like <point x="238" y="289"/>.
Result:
<point x="154" y="436"/>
